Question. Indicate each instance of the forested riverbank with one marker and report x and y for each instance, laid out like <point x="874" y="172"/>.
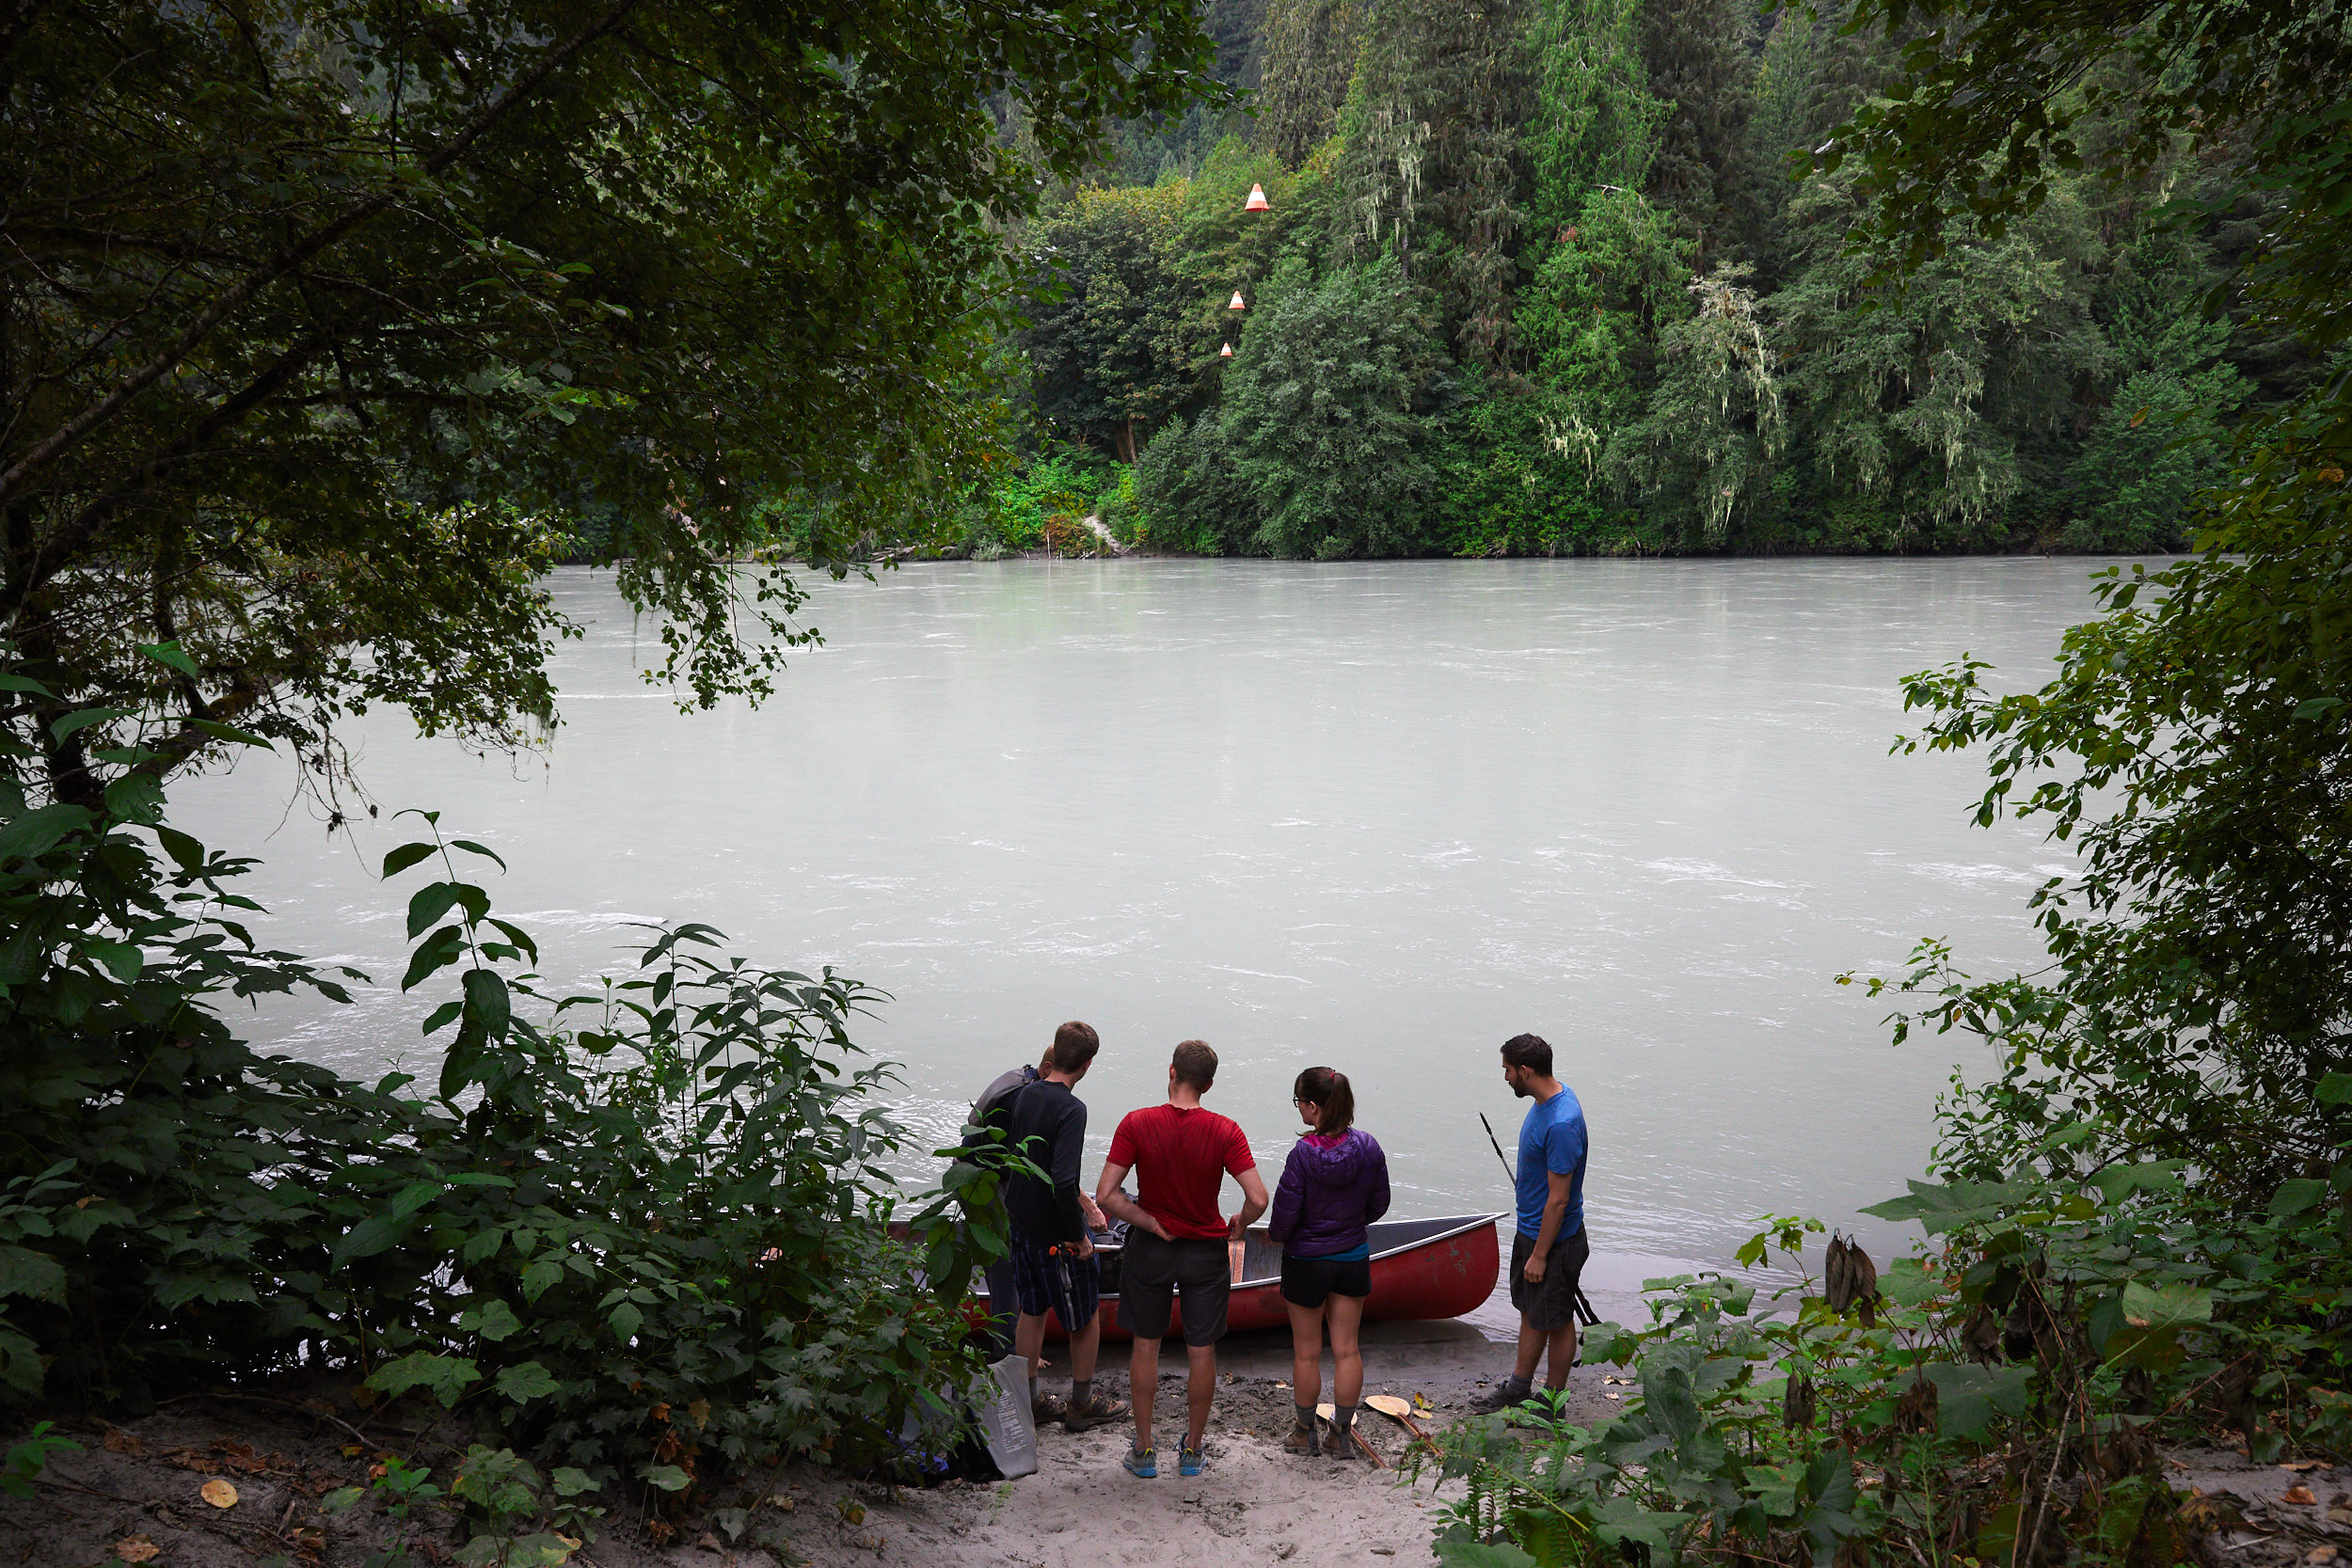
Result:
<point x="1544" y="277"/>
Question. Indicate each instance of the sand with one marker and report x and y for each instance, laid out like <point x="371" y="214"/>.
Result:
<point x="1255" y="1503"/>
<point x="135" y="1489"/>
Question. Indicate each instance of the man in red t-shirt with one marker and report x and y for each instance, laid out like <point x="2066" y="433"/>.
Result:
<point x="1176" y="1241"/>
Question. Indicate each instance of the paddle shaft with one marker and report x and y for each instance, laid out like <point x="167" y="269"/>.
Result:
<point x="1583" y="1308"/>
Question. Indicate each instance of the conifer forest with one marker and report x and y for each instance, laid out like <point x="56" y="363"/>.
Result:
<point x="1554" y="277"/>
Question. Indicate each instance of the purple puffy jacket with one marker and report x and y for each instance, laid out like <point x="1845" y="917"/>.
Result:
<point x="1329" y="1194"/>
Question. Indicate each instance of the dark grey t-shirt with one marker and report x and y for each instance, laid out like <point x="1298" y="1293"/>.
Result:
<point x="1048" y="1124"/>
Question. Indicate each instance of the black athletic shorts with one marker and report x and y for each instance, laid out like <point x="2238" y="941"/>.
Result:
<point x="1550" y="1303"/>
<point x="1307" y="1280"/>
<point x="1151" y="1273"/>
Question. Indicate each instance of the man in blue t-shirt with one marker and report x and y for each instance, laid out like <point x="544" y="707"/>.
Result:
<point x="1548" y="1246"/>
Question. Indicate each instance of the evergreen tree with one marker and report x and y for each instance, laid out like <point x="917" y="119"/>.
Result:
<point x="1310" y="55"/>
<point x="1911" y="407"/>
<point x="1596" y="123"/>
<point x="1694" y="54"/>
<point x="1326" y="414"/>
<point x="1433" y="165"/>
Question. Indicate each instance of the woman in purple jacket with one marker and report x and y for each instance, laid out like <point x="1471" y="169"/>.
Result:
<point x="1335" y="1184"/>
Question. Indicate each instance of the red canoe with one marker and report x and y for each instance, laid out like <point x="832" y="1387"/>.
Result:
<point x="1438" y="1268"/>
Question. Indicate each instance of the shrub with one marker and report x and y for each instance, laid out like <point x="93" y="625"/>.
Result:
<point x="647" y="1237"/>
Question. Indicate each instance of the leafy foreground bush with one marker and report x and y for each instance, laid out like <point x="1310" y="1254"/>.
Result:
<point x="2001" y="1399"/>
<point x="644" y="1241"/>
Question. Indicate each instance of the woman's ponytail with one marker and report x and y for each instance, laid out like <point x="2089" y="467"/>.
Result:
<point x="1327" y="1090"/>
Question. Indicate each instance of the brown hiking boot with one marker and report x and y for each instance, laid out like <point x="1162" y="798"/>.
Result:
<point x="1303" y="1440"/>
<point x="1099" y="1409"/>
<point x="1047" y="1407"/>
<point x="1346" y="1444"/>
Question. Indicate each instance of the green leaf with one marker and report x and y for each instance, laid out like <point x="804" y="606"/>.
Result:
<point x="1967" y="1398"/>
<point x="443" y="1376"/>
<point x="37" y="832"/>
<point x="438" y="1018"/>
<point x="1477" y="1554"/>
<point x="229" y="733"/>
<point x="540" y="1276"/>
<point x="1909" y="1282"/>
<point x="136" y="797"/>
<point x="119" y="958"/>
<point x="2335" y="1088"/>
<point x="170" y="656"/>
<point x="2171" y="1305"/>
<point x="2118" y="1182"/>
<point x="25" y="683"/>
<point x="437" y="952"/>
<point x="626" y="1321"/>
<point x="187" y="852"/>
<point x="377" y="1233"/>
<point x="2296" y="1196"/>
<point x="82" y="718"/>
<point x="668" y="1477"/>
<point x="27" y="1272"/>
<point x="488" y="1006"/>
<point x="406" y="856"/>
<point x="493" y="1320"/>
<point x="431" y="902"/>
<point x="528" y="1382"/>
<point x="471" y="848"/>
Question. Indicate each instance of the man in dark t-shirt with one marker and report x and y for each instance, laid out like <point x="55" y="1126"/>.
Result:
<point x="1055" y="1269"/>
<point x="1177" y="1241"/>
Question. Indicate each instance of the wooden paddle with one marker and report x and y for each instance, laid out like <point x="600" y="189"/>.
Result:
<point x="1328" y="1411"/>
<point x="1400" y="1410"/>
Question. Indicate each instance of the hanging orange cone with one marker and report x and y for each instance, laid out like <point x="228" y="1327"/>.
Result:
<point x="1256" y="203"/>
<point x="1236" y="303"/>
<point x="1225" y="353"/>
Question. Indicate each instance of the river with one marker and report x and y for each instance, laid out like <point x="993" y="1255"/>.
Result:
<point x="1380" y="817"/>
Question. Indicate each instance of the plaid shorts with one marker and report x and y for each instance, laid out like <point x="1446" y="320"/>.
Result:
<point x="1069" y="1288"/>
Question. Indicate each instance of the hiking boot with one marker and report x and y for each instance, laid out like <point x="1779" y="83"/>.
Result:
<point x="1140" y="1463"/>
<point x="1303" y="1440"/>
<point x="1346" y="1444"/>
<point x="1047" y="1407"/>
<point x="1099" y="1409"/>
<point x="1498" y="1398"/>
<point x="1188" y="1461"/>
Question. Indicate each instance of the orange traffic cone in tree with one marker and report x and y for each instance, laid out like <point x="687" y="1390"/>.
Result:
<point x="1256" y="203"/>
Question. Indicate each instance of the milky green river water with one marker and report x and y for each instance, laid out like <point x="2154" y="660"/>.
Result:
<point x="1380" y="817"/>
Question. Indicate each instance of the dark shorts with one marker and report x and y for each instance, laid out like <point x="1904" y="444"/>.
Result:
<point x="1154" y="1272"/>
<point x="1551" y="1303"/>
<point x="1069" y="1288"/>
<point x="1307" y="1280"/>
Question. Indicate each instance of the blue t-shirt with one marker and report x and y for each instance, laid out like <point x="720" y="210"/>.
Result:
<point x="1552" y="1141"/>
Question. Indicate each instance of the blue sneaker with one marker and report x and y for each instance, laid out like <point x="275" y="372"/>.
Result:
<point x="1188" y="1461"/>
<point x="1139" y="1462"/>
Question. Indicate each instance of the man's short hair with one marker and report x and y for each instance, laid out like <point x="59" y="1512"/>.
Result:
<point x="1196" y="1065"/>
<point x="1528" y="1050"/>
<point x="1074" y="1045"/>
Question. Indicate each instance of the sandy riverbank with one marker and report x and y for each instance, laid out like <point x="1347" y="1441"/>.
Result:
<point x="1255" y="1504"/>
<point x="137" y="1485"/>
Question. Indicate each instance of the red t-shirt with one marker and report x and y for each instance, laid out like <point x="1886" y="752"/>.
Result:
<point x="1180" y="1157"/>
